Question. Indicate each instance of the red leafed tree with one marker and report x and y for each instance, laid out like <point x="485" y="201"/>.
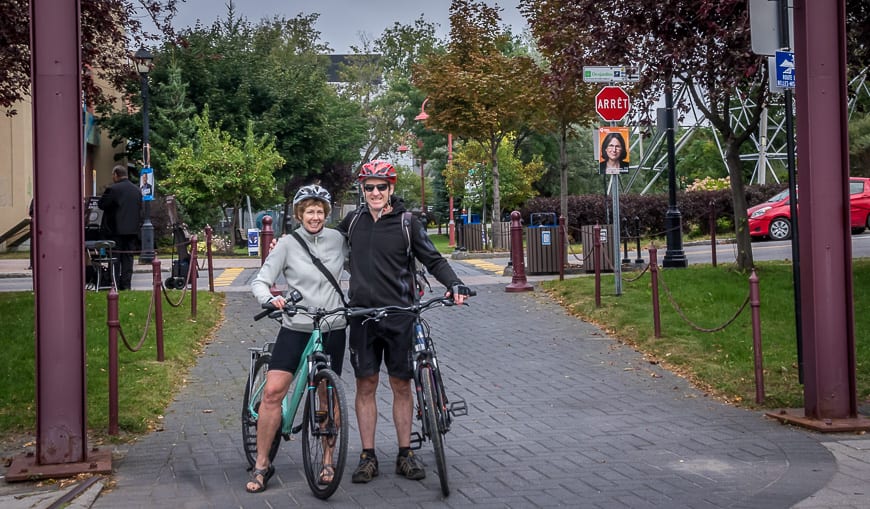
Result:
<point x="569" y="97"/>
<point x="109" y="28"/>
<point x="478" y="89"/>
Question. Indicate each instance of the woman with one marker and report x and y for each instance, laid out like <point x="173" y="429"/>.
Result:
<point x="613" y="153"/>
<point x="311" y="206"/>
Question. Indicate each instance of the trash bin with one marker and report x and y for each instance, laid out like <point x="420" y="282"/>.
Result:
<point x="542" y="244"/>
<point x="501" y="235"/>
<point x="587" y="237"/>
<point x="473" y="237"/>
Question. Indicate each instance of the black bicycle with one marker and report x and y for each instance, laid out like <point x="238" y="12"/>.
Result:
<point x="434" y="410"/>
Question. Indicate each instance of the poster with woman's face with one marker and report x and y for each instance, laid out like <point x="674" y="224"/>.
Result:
<point x="612" y="150"/>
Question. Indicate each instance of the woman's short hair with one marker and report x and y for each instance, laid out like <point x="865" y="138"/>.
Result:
<point x="304" y="204"/>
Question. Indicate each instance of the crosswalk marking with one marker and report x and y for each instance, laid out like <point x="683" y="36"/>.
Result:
<point x="227" y="277"/>
<point x="487" y="266"/>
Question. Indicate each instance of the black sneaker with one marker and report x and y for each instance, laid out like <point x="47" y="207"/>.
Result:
<point x="410" y="467"/>
<point x="366" y="470"/>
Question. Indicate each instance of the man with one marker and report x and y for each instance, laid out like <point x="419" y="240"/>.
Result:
<point x="384" y="240"/>
<point x="122" y="203"/>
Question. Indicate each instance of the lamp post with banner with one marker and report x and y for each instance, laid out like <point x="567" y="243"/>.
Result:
<point x="143" y="60"/>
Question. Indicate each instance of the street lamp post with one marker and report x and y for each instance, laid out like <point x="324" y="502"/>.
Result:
<point x="143" y="59"/>
<point x="451" y="225"/>
<point x="422" y="117"/>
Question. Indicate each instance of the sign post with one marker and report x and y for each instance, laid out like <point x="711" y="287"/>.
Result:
<point x="613" y="104"/>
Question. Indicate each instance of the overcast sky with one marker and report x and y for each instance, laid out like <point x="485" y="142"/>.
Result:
<point x="341" y="21"/>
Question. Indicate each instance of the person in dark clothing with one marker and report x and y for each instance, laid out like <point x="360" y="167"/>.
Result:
<point x="382" y="256"/>
<point x="122" y="203"/>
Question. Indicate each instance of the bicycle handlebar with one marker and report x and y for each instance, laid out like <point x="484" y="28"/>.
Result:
<point x="381" y="312"/>
<point x="374" y="313"/>
<point x="292" y="309"/>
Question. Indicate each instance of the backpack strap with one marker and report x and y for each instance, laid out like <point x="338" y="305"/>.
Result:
<point x="321" y="267"/>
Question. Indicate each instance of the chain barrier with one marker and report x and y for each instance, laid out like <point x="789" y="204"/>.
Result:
<point x="693" y="324"/>
<point x="635" y="278"/>
<point x="190" y="268"/>
<point x="144" y="332"/>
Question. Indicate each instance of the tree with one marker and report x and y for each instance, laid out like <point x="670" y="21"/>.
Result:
<point x="108" y="29"/>
<point x="569" y="96"/>
<point x="217" y="170"/>
<point x="477" y="91"/>
<point x="378" y="78"/>
<point x="517" y="179"/>
<point x="271" y="76"/>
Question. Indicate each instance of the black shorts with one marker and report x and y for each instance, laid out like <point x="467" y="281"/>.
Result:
<point x="387" y="340"/>
<point x="290" y="345"/>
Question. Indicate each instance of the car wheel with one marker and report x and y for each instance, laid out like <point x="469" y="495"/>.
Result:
<point x="780" y="229"/>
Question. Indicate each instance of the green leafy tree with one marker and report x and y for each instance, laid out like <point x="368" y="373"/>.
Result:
<point x="477" y="89"/>
<point x="219" y="171"/>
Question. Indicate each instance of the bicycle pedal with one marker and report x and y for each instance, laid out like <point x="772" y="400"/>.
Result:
<point x="458" y="408"/>
<point x="416" y="440"/>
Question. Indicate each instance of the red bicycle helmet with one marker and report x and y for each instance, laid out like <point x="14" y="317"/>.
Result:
<point x="378" y="169"/>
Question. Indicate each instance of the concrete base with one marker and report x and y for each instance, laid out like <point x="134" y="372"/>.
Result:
<point x="25" y="468"/>
<point x="797" y="416"/>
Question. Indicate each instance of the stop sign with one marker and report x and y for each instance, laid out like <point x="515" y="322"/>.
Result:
<point x="612" y="103"/>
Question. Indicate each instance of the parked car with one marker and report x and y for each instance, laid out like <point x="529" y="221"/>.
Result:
<point x="773" y="218"/>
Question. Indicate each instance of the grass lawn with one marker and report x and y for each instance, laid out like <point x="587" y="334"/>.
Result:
<point x="721" y="362"/>
<point x="145" y="386"/>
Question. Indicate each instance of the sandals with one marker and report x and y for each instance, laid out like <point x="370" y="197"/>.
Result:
<point x="256" y="475"/>
<point x="327" y="474"/>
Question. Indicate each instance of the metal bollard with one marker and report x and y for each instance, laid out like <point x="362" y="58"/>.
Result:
<point x="639" y="259"/>
<point x="713" y="233"/>
<point x="208" y="233"/>
<point x="192" y="274"/>
<point x="266" y="237"/>
<point x="563" y="240"/>
<point x="755" y="304"/>
<point x="596" y="262"/>
<point x="157" y="288"/>
<point x="518" y="281"/>
<point x="114" y="324"/>
<point x="654" y="273"/>
<point x="625" y="259"/>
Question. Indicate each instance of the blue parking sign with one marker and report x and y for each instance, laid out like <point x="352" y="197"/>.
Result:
<point x="785" y="69"/>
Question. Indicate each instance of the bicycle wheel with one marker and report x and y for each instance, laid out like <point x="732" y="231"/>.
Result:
<point x="249" y="423"/>
<point x="432" y="411"/>
<point x="324" y="433"/>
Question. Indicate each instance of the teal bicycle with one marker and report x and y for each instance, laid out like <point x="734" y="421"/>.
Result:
<point x="324" y="424"/>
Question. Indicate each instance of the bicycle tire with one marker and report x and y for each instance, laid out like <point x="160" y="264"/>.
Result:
<point x="249" y="424"/>
<point x="431" y="411"/>
<point x="313" y="447"/>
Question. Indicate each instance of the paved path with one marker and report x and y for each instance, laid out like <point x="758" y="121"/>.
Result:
<point x="559" y="415"/>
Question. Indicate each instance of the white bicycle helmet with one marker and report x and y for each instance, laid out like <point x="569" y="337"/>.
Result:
<point x="312" y="191"/>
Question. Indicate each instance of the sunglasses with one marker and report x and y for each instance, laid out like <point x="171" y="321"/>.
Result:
<point x="371" y="187"/>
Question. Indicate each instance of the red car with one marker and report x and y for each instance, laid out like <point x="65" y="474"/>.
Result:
<point x="773" y="217"/>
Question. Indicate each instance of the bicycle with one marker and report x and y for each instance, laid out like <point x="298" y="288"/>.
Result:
<point x="433" y="409"/>
<point x="324" y="423"/>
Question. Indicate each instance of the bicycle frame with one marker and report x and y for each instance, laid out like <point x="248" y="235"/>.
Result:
<point x="309" y="364"/>
<point x="424" y="356"/>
